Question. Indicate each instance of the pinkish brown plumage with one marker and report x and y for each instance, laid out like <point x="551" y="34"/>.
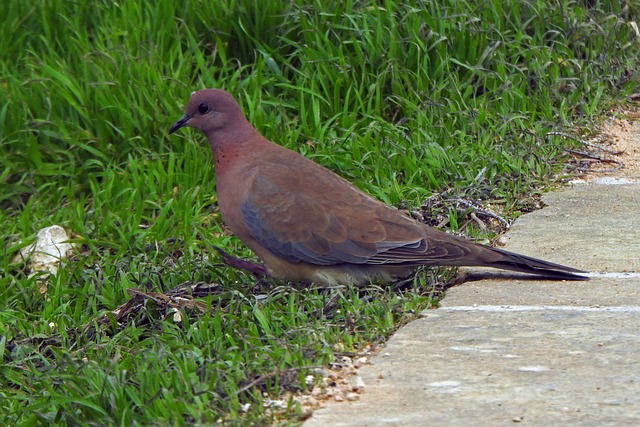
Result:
<point x="308" y="224"/>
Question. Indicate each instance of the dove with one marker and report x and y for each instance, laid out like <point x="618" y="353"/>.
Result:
<point x="307" y="224"/>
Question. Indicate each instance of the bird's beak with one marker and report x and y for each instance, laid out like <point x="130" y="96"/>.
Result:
<point x="180" y="123"/>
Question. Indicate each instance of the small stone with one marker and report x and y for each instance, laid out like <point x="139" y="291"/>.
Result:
<point x="356" y="383"/>
<point x="352" y="397"/>
<point x="319" y="371"/>
<point x="501" y="241"/>
<point x="316" y="391"/>
<point x="50" y="247"/>
<point x="361" y="361"/>
<point x="346" y="360"/>
<point x="311" y="401"/>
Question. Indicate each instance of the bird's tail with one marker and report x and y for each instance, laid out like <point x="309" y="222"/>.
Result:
<point x="515" y="262"/>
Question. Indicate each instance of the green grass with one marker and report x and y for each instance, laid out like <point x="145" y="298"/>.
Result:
<point x="405" y="99"/>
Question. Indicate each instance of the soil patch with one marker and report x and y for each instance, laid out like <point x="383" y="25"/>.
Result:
<point x="619" y="138"/>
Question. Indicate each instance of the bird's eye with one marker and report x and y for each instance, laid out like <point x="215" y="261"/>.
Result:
<point x="203" y="108"/>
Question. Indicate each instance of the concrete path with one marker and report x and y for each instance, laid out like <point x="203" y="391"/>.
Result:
<point x="502" y="351"/>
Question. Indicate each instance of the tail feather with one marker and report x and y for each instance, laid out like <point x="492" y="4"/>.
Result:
<point x="525" y="264"/>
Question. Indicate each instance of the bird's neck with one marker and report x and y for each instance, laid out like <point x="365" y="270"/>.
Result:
<point x="237" y="149"/>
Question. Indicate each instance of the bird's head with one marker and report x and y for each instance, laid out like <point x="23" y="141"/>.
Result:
<point x="209" y="110"/>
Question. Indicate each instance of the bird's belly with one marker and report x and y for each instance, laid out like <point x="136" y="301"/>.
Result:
<point x="333" y="275"/>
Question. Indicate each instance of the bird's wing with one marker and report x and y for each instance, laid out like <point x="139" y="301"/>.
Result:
<point x="305" y="213"/>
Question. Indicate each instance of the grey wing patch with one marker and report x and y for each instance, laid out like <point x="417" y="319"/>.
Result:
<point x="314" y="249"/>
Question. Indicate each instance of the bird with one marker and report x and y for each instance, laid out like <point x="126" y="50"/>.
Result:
<point x="308" y="224"/>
